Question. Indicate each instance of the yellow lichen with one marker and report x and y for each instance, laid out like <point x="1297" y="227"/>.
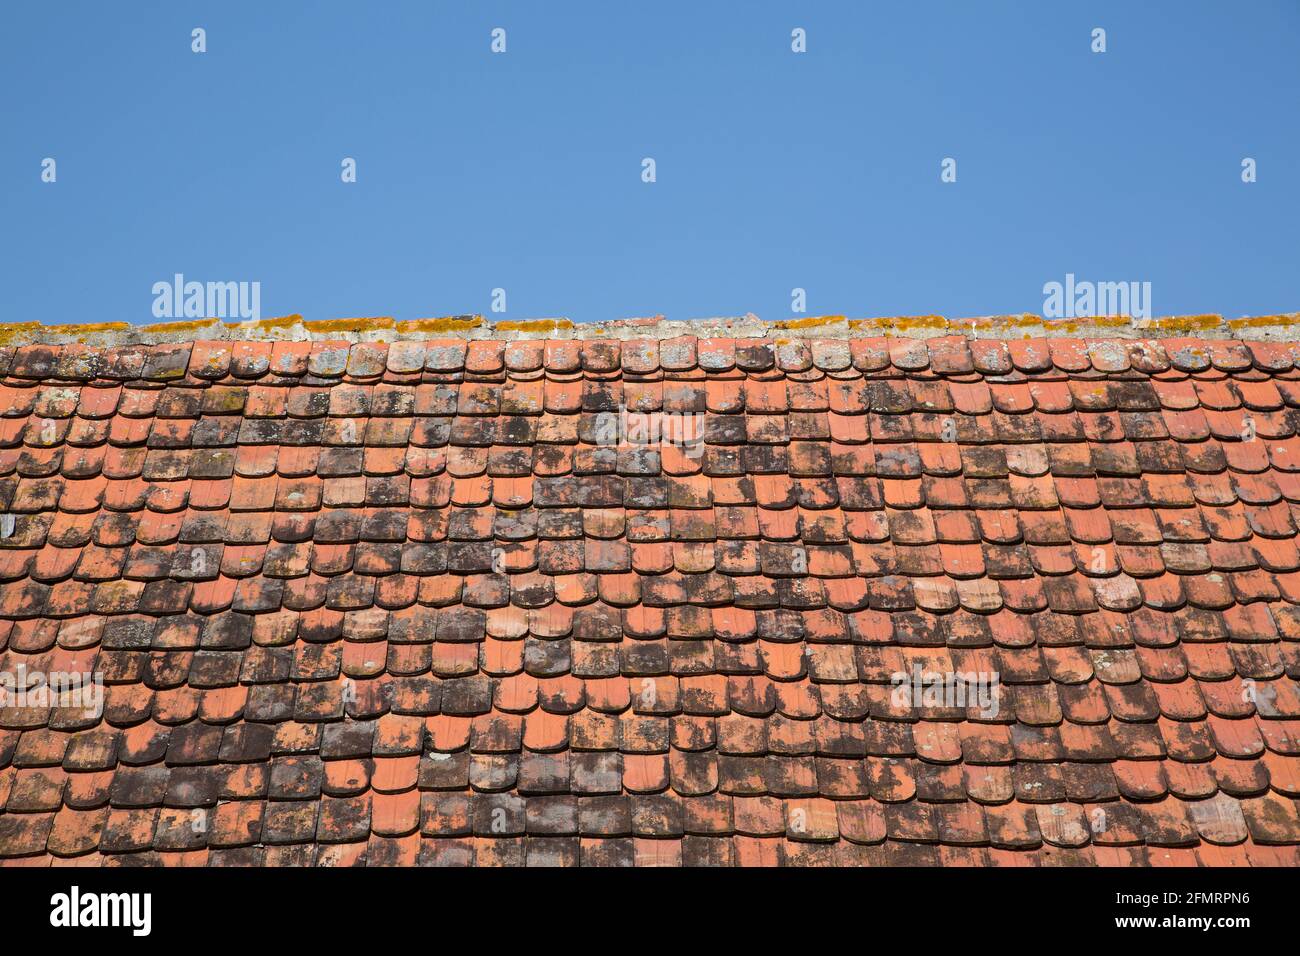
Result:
<point x="87" y="329"/>
<point x="278" y="322"/>
<point x="901" y="323"/>
<point x="1089" y="322"/>
<point x="17" y="330"/>
<point x="907" y="323"/>
<point x="1187" y="323"/>
<point x="1264" y="321"/>
<point x="1018" y="326"/>
<point x="536" y="325"/>
<point x="447" y="324"/>
<point x="350" y="325"/>
<point x="812" y="322"/>
<point x="166" y="328"/>
<point x="1020" y="321"/>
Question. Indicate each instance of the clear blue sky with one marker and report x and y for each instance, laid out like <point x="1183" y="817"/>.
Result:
<point x="523" y="170"/>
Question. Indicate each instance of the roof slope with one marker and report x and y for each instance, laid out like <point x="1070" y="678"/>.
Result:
<point x="432" y="602"/>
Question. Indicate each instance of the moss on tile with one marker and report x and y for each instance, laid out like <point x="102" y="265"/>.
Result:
<point x="812" y="322"/>
<point x="900" y="323"/>
<point x="1187" y="323"/>
<point x="169" y="328"/>
<point x="373" y="324"/>
<point x="1089" y="323"/>
<point x="1265" y="321"/>
<point x="92" y="328"/>
<point x="456" y="323"/>
<point x="17" y="330"/>
<point x="535" y="325"/>
<point x="276" y="323"/>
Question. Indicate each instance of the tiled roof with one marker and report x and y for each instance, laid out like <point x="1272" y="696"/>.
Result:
<point x="430" y="601"/>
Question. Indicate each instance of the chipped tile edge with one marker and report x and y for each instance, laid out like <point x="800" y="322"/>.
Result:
<point x="294" y="328"/>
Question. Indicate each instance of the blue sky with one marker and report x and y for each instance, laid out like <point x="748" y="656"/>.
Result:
<point x="522" y="171"/>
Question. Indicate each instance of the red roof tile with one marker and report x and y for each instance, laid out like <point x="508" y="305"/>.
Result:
<point x="657" y="601"/>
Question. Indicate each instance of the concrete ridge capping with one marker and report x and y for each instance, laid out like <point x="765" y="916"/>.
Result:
<point x="473" y="327"/>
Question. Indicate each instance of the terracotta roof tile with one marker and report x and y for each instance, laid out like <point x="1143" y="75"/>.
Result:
<point x="654" y="600"/>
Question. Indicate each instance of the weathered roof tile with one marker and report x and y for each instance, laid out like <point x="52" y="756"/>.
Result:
<point x="1033" y="597"/>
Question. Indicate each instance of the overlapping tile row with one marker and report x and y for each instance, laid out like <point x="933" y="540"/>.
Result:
<point x="411" y="604"/>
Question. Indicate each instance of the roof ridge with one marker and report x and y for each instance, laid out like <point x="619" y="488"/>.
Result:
<point x="1285" y="326"/>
